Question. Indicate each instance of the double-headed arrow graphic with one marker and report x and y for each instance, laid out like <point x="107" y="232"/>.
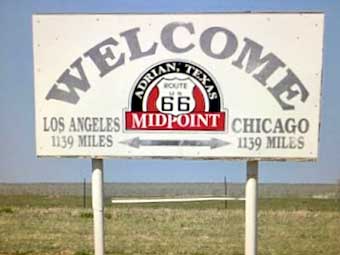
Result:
<point x="213" y="143"/>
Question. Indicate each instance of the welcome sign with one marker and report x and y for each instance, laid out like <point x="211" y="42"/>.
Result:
<point x="213" y="86"/>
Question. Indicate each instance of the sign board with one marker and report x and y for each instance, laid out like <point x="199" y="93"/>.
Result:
<point x="211" y="86"/>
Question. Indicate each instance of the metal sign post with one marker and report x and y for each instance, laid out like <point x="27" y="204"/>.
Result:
<point x="98" y="205"/>
<point x="84" y="193"/>
<point x="251" y="208"/>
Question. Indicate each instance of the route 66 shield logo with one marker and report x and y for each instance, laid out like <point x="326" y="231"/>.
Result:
<point x="175" y="95"/>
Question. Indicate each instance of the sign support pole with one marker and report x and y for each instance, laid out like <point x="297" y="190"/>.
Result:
<point x="98" y="205"/>
<point x="251" y="208"/>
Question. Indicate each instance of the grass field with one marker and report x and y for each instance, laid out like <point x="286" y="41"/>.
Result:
<point x="31" y="224"/>
<point x="266" y="190"/>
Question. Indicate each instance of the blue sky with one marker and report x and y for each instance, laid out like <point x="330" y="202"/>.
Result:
<point x="18" y="162"/>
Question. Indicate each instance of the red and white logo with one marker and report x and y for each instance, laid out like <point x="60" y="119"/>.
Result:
<point x="175" y="95"/>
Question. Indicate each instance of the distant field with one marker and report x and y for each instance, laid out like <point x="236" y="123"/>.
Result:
<point x="265" y="204"/>
<point x="172" y="189"/>
<point x="49" y="219"/>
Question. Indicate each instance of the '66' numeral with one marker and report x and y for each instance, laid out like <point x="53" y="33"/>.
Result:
<point x="182" y="104"/>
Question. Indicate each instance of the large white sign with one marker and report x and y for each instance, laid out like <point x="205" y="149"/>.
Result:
<point x="208" y="86"/>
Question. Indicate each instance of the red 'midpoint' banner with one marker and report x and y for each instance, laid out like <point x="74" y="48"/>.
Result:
<point x="212" y="121"/>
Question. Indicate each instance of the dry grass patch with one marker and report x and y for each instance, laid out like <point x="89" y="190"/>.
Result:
<point x="133" y="230"/>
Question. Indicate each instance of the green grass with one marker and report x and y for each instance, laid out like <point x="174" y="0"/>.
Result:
<point x="287" y="204"/>
<point x="42" y="201"/>
<point x="266" y="190"/>
<point x="6" y="210"/>
<point x="58" y="225"/>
